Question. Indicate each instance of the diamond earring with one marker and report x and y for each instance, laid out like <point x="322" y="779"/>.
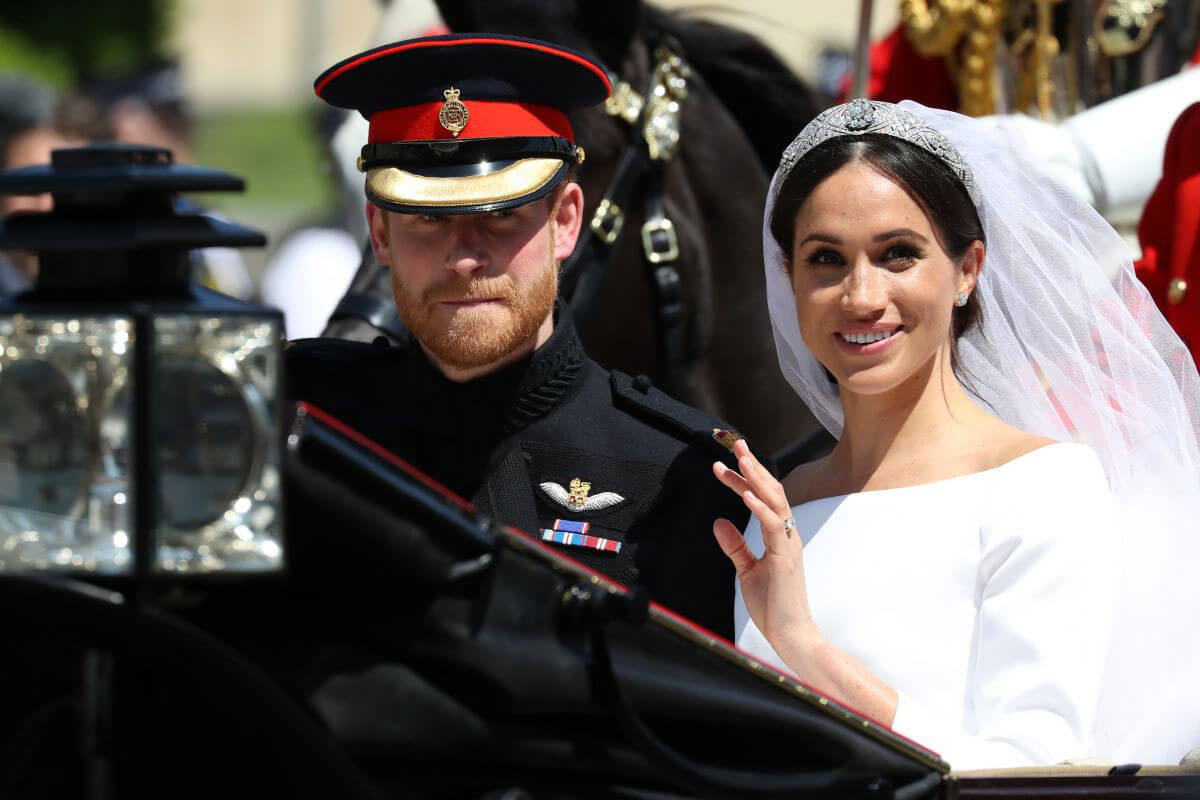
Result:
<point x="961" y="300"/>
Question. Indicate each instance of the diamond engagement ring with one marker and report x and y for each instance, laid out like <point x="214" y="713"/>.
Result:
<point x="789" y="525"/>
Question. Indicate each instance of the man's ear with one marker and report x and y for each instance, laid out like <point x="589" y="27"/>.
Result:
<point x="568" y="219"/>
<point x="380" y="241"/>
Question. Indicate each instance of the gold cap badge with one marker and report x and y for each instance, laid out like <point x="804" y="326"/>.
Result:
<point x="453" y="114"/>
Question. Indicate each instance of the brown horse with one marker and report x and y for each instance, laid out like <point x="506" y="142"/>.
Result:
<point x="742" y="106"/>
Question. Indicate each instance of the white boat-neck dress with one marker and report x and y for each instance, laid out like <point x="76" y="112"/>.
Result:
<point x="985" y="600"/>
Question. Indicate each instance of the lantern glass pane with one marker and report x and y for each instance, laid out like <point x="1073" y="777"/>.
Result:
<point x="66" y="493"/>
<point x="217" y="442"/>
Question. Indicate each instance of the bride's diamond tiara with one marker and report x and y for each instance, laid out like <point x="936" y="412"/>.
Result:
<point x="872" y="116"/>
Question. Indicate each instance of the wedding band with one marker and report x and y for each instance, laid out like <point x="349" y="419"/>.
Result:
<point x="789" y="524"/>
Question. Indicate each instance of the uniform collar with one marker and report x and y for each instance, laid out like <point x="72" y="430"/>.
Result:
<point x="519" y="393"/>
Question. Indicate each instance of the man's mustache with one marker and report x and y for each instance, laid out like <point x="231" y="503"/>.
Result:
<point x="478" y="289"/>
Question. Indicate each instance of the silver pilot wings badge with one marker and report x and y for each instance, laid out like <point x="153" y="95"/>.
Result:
<point x="575" y="496"/>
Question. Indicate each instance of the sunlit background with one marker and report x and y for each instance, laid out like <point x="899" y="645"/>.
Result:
<point x="246" y="70"/>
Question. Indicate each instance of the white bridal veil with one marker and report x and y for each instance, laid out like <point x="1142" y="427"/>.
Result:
<point x="1072" y="347"/>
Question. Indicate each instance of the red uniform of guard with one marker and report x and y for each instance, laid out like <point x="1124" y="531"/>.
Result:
<point x="1169" y="232"/>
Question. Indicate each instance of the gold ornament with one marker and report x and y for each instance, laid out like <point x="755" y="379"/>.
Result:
<point x="1033" y="52"/>
<point x="453" y="114"/>
<point x="1123" y="27"/>
<point x="966" y="33"/>
<point x="1176" y="291"/>
<point x="578" y="494"/>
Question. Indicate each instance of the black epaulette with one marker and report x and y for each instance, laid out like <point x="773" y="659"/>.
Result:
<point x="638" y="397"/>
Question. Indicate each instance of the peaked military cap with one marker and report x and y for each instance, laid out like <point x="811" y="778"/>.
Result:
<point x="466" y="122"/>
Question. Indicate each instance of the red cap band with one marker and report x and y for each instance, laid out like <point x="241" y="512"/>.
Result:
<point x="486" y="119"/>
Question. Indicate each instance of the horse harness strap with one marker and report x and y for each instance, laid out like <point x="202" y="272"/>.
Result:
<point x="654" y="138"/>
<point x="661" y="249"/>
<point x="584" y="270"/>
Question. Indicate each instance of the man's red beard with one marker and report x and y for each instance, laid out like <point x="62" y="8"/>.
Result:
<point x="475" y="337"/>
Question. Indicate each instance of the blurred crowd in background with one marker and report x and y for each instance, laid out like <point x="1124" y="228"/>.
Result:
<point x="228" y="85"/>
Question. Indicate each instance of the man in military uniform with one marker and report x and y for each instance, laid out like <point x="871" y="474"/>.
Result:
<point x="472" y="205"/>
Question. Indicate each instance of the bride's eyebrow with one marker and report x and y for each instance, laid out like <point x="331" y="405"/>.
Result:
<point x="820" y="237"/>
<point x="883" y="237"/>
<point x="898" y="233"/>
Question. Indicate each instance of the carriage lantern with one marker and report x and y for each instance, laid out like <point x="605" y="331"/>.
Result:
<point x="140" y="416"/>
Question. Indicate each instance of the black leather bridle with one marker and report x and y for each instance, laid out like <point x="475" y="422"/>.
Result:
<point x="653" y="138"/>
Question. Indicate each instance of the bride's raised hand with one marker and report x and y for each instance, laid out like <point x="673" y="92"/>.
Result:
<point x="773" y="586"/>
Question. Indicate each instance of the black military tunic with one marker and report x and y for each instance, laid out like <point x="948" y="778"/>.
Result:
<point x="548" y="442"/>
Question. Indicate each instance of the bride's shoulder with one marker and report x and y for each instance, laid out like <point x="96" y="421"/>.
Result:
<point x="997" y="443"/>
<point x="803" y="483"/>
<point x="1049" y="494"/>
<point x="1038" y="461"/>
<point x="1017" y="445"/>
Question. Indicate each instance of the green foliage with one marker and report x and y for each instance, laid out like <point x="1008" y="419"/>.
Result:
<point x="66" y="41"/>
<point x="18" y="54"/>
<point x="278" y="154"/>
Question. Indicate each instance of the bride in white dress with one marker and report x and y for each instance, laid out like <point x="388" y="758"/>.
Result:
<point x="957" y="567"/>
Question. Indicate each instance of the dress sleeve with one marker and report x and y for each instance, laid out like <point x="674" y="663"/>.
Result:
<point x="1045" y="590"/>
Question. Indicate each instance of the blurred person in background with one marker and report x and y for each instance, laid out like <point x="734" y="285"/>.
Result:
<point x="148" y="107"/>
<point x="32" y="124"/>
<point x="313" y="264"/>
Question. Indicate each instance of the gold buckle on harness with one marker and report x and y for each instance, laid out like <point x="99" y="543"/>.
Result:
<point x="653" y="254"/>
<point x="608" y="221"/>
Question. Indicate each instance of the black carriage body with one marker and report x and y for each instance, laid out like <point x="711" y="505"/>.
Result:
<point x="433" y="654"/>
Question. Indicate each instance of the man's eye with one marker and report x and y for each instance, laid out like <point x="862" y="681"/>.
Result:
<point x="503" y="213"/>
<point x="431" y="218"/>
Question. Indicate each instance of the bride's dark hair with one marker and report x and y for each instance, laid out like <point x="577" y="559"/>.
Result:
<point x="923" y="175"/>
